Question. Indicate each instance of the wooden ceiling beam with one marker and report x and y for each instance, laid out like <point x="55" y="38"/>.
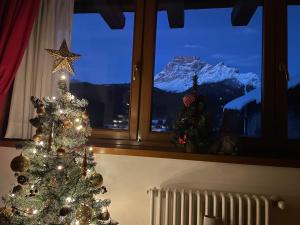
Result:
<point x="242" y="12"/>
<point x="110" y="10"/>
<point x="175" y="12"/>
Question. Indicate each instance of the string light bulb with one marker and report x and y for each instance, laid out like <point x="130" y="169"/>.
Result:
<point x="60" y="167"/>
<point x="79" y="127"/>
<point x="63" y="77"/>
<point x="68" y="199"/>
<point x="90" y="149"/>
<point x="77" y="120"/>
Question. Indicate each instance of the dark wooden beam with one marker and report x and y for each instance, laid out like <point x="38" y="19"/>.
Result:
<point x="175" y="11"/>
<point x="85" y="6"/>
<point x="110" y="10"/>
<point x="242" y="12"/>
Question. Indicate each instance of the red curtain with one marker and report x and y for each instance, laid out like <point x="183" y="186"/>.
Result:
<point x="16" y="22"/>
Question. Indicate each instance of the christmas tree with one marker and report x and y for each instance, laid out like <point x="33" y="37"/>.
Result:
<point x="192" y="128"/>
<point x="56" y="179"/>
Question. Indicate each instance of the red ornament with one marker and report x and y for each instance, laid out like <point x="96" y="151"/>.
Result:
<point x="182" y="141"/>
<point x="189" y="99"/>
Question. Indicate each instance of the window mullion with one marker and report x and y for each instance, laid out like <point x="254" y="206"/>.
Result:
<point x="136" y="69"/>
<point x="269" y="122"/>
<point x="281" y="78"/>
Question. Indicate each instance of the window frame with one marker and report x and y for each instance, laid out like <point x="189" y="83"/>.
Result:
<point x="148" y="70"/>
<point x="131" y="133"/>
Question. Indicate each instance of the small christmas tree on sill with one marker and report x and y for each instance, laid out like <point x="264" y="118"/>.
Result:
<point x="192" y="128"/>
<point x="56" y="179"/>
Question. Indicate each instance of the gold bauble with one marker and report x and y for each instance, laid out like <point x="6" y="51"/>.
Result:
<point x="65" y="210"/>
<point x="39" y="131"/>
<point x="17" y="189"/>
<point x="85" y="115"/>
<point x="60" y="151"/>
<point x="104" y="216"/>
<point x="84" y="214"/>
<point x="96" y="180"/>
<point x="37" y="138"/>
<point x="68" y="124"/>
<point x="40" y="110"/>
<point x="5" y="211"/>
<point x="20" y="164"/>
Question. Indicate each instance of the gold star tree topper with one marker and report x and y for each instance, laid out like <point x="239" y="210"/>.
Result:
<point x="63" y="58"/>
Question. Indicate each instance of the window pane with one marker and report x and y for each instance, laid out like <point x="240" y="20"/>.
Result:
<point x="227" y="60"/>
<point x="103" y="73"/>
<point x="294" y="70"/>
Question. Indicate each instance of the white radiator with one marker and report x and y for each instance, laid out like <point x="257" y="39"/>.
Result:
<point x="188" y="207"/>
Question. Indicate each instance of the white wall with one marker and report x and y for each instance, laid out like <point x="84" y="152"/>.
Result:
<point x="127" y="179"/>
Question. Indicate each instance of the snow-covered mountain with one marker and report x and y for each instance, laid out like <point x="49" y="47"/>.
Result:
<point x="177" y="74"/>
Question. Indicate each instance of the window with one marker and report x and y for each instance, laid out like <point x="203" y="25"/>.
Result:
<point x="294" y="72"/>
<point x="227" y="60"/>
<point x="109" y="37"/>
<point x="103" y="74"/>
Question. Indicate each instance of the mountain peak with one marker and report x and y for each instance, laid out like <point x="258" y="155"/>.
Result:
<point x="177" y="74"/>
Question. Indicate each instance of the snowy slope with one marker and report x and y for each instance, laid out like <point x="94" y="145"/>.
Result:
<point x="177" y="75"/>
<point x="240" y="102"/>
<point x="255" y="95"/>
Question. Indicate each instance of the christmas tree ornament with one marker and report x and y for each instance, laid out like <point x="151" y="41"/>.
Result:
<point x="104" y="216"/>
<point x="182" y="140"/>
<point x="5" y="211"/>
<point x="17" y="189"/>
<point x="40" y="110"/>
<point x="60" y="151"/>
<point x="35" y="122"/>
<point x="68" y="124"/>
<point x="84" y="214"/>
<point x="188" y="100"/>
<point x="32" y="193"/>
<point x="85" y="115"/>
<point x="36" y="102"/>
<point x="37" y="138"/>
<point x="39" y="131"/>
<point x="96" y="180"/>
<point x="20" y="164"/>
<point x="29" y="211"/>
<point x="63" y="58"/>
<point x="22" y="179"/>
<point x="65" y="210"/>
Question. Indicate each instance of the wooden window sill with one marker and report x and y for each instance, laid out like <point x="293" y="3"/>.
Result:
<point x="157" y="152"/>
